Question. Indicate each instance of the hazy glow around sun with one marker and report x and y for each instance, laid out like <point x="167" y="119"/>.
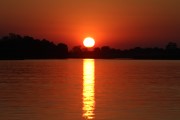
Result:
<point x="89" y="42"/>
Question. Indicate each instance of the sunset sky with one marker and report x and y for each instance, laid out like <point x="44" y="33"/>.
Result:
<point x="117" y="23"/>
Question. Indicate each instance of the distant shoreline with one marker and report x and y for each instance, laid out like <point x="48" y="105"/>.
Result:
<point x="17" y="47"/>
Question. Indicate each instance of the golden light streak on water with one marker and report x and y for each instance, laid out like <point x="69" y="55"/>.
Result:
<point x="88" y="89"/>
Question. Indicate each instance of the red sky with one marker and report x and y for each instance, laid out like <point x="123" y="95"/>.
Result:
<point x="117" y="23"/>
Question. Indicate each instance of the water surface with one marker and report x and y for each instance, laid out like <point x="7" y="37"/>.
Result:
<point x="77" y="89"/>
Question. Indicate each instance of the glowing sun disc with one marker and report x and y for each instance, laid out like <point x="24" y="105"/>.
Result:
<point x="89" y="42"/>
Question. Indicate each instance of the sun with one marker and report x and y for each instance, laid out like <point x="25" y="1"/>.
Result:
<point x="89" y="42"/>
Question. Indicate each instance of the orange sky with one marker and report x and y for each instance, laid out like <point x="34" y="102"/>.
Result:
<point x="117" y="23"/>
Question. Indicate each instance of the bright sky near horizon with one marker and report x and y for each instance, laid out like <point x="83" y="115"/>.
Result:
<point x="117" y="23"/>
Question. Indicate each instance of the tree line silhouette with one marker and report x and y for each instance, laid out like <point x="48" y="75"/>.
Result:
<point x="15" y="46"/>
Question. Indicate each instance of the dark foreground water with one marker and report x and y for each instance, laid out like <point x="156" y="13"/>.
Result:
<point x="89" y="89"/>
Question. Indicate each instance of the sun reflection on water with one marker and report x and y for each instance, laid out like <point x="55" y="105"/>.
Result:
<point x="88" y="89"/>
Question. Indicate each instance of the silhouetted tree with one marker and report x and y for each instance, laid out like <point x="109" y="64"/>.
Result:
<point x="14" y="46"/>
<point x="76" y="52"/>
<point x="172" y="51"/>
<point x="171" y="46"/>
<point x="106" y="51"/>
<point x="62" y="50"/>
<point x="97" y="52"/>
